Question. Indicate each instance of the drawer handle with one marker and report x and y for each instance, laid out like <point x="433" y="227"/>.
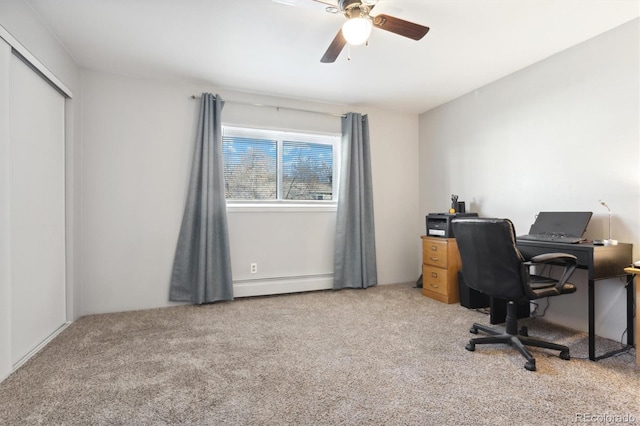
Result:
<point x="433" y="285"/>
<point x="434" y="274"/>
<point x="434" y="248"/>
<point x="435" y="259"/>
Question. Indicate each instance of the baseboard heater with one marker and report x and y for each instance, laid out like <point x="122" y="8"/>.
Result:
<point x="280" y="285"/>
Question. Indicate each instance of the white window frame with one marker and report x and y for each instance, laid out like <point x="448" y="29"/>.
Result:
<point x="280" y="136"/>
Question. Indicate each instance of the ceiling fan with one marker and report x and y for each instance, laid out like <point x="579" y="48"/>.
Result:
<point x="359" y="24"/>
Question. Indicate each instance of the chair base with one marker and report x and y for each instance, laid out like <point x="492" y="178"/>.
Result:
<point x="516" y="339"/>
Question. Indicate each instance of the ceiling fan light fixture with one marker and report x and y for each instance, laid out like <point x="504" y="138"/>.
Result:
<point x="357" y="30"/>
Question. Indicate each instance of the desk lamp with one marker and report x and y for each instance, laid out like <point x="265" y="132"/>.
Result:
<point x="608" y="242"/>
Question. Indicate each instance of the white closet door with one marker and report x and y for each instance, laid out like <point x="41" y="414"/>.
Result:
<point x="36" y="210"/>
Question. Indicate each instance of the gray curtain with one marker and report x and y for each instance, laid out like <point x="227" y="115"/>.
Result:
<point x="202" y="264"/>
<point x="355" y="249"/>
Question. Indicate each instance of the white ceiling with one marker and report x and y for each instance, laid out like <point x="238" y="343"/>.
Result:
<point x="266" y="47"/>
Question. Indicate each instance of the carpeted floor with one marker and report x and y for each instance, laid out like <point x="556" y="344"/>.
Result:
<point x="382" y="356"/>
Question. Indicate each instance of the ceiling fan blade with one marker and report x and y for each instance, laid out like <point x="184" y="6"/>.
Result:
<point x="334" y="49"/>
<point x="400" y="26"/>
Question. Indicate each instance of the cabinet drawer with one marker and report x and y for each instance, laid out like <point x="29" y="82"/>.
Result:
<point x="434" y="252"/>
<point x="435" y="279"/>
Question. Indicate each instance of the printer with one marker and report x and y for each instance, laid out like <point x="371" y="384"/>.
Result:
<point x="439" y="224"/>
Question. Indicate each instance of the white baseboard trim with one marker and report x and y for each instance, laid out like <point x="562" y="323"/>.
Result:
<point x="41" y="345"/>
<point x="280" y="285"/>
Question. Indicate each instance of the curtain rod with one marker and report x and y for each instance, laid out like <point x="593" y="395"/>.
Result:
<point x="279" y="107"/>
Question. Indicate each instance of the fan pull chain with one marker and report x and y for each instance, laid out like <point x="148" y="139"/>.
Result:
<point x="349" y="49"/>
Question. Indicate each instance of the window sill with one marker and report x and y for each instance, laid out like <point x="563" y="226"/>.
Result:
<point x="280" y="207"/>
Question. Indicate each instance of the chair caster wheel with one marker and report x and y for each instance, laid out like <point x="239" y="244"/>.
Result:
<point x="470" y="347"/>
<point x="524" y="331"/>
<point x="565" y="355"/>
<point x="531" y="366"/>
<point x="473" y="330"/>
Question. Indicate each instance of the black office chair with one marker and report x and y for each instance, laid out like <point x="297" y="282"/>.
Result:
<point x="492" y="264"/>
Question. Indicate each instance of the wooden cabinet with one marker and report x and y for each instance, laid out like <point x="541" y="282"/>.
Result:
<point x="440" y="266"/>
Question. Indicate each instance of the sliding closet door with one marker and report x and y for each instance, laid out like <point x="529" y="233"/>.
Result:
<point x="5" y="276"/>
<point x="36" y="209"/>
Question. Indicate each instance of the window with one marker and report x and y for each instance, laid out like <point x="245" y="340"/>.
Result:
<point x="267" y="165"/>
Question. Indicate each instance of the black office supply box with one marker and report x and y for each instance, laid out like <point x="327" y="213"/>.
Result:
<point x="469" y="297"/>
<point x="473" y="299"/>
<point x="439" y="224"/>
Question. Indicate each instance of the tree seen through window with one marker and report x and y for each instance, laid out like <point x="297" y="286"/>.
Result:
<point x="277" y="169"/>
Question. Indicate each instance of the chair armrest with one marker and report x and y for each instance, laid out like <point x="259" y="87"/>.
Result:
<point x="569" y="261"/>
<point x="550" y="257"/>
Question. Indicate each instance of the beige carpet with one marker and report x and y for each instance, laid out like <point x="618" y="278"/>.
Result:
<point x="382" y="356"/>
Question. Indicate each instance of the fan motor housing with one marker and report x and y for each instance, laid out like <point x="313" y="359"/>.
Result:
<point x="344" y="4"/>
<point x="351" y="6"/>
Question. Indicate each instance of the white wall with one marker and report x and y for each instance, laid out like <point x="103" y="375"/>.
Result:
<point x="17" y="19"/>
<point x="556" y="136"/>
<point x="137" y="143"/>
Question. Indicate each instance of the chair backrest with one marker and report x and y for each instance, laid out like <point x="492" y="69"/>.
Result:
<point x="491" y="262"/>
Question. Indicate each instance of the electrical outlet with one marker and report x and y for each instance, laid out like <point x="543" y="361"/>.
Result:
<point x="254" y="268"/>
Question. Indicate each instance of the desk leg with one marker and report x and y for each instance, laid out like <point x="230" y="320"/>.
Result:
<point x="631" y="337"/>
<point x="592" y="321"/>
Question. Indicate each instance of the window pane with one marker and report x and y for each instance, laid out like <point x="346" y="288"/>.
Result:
<point x="249" y="168"/>
<point x="307" y="171"/>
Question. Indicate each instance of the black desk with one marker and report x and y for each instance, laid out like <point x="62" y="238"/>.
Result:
<point x="600" y="262"/>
